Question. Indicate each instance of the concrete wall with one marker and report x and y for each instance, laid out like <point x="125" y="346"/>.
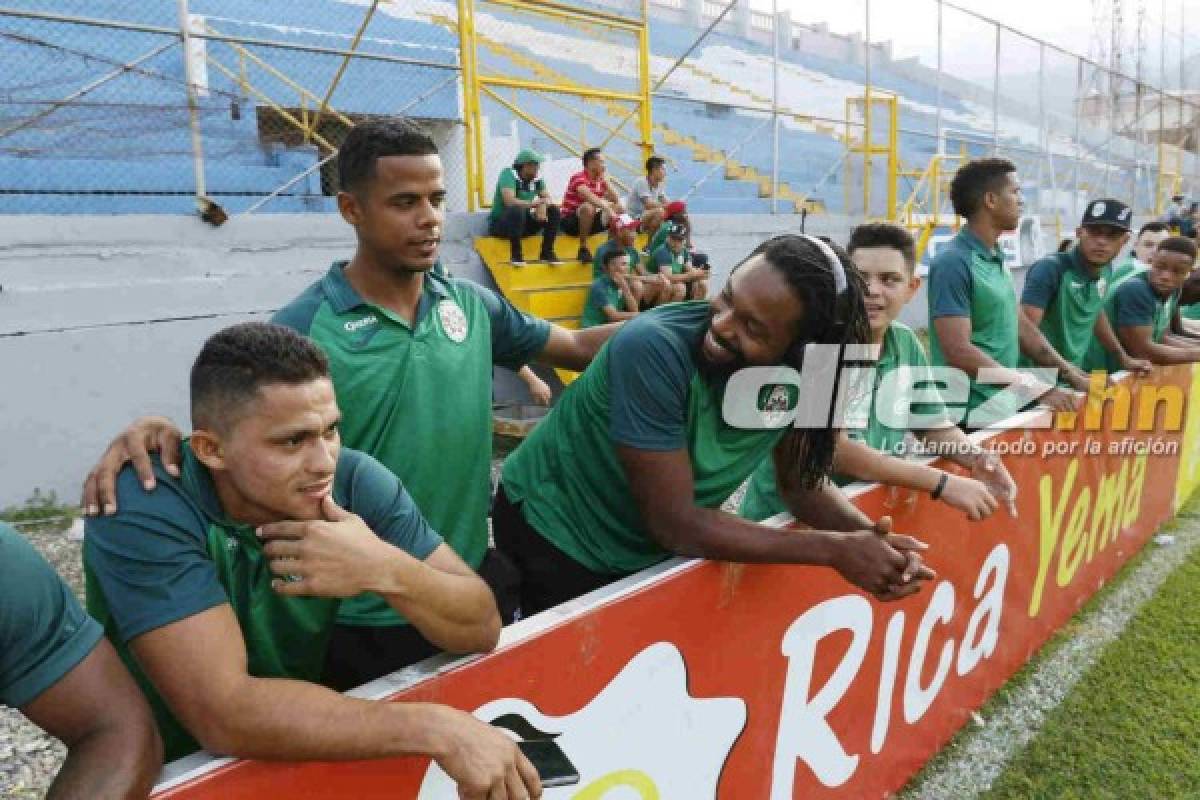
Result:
<point x="101" y="317"/>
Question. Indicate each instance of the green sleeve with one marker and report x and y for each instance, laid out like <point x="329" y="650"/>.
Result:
<point x="517" y="337"/>
<point x="649" y="372"/>
<point x="44" y="632"/>
<point x="367" y="488"/>
<point x="950" y="285"/>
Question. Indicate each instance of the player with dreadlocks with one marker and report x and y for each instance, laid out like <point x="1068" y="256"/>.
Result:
<point x="636" y="459"/>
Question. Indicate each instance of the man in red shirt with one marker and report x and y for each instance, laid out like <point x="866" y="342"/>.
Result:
<point x="589" y="202"/>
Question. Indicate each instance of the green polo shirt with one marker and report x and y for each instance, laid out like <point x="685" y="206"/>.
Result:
<point x="44" y="633"/>
<point x="604" y="292"/>
<point x="663" y="259"/>
<point x="901" y="348"/>
<point x="524" y="190"/>
<point x="967" y="279"/>
<point x="1072" y="297"/>
<point x="643" y="390"/>
<point x="419" y="397"/>
<point x="658" y="239"/>
<point x="634" y="256"/>
<point x="172" y="553"/>
<point x="1132" y="303"/>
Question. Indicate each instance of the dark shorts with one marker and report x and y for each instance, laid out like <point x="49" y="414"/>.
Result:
<point x="548" y="575"/>
<point x="361" y="653"/>
<point x="570" y="224"/>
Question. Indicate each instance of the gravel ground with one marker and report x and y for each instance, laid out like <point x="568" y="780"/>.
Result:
<point x="29" y="758"/>
<point x="978" y="755"/>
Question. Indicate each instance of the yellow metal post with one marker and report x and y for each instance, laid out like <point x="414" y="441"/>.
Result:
<point x="470" y="82"/>
<point x="644" y="118"/>
<point x="893" y="156"/>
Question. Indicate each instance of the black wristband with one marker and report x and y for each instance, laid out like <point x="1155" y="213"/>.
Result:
<point x="937" y="490"/>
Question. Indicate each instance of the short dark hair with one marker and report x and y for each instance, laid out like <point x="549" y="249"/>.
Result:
<point x="373" y="139"/>
<point x="1179" y="244"/>
<point x="1153" y="227"/>
<point x="884" y="234"/>
<point x="611" y="254"/>
<point x="590" y="154"/>
<point x="238" y="361"/>
<point x="654" y="162"/>
<point x="975" y="179"/>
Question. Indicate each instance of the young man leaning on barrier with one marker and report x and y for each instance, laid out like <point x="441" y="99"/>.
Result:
<point x="885" y="255"/>
<point x="1143" y="308"/>
<point x="59" y="671"/>
<point x="973" y="318"/>
<point x="1062" y="302"/>
<point x="221" y="588"/>
<point x="633" y="463"/>
<point x="411" y="355"/>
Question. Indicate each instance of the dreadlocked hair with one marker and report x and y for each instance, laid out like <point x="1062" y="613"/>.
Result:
<point x="805" y="455"/>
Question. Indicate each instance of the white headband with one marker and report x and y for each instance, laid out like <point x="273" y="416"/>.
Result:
<point x="835" y="263"/>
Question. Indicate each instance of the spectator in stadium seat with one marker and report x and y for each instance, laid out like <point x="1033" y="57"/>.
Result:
<point x="590" y="203"/>
<point x="867" y="450"/>
<point x="1174" y="213"/>
<point x="223" y="585"/>
<point x="673" y="259"/>
<point x="972" y="302"/>
<point x="1187" y="221"/>
<point x="398" y="336"/>
<point x="648" y="200"/>
<point x="1063" y="299"/>
<point x="521" y="207"/>
<point x="634" y="462"/>
<point x="611" y="298"/>
<point x="650" y="290"/>
<point x="1144" y="310"/>
<point x="57" y="669"/>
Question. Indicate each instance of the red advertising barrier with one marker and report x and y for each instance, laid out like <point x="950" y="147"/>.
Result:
<point x="719" y="680"/>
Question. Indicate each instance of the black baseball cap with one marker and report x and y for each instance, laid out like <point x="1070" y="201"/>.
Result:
<point x="1108" y="212"/>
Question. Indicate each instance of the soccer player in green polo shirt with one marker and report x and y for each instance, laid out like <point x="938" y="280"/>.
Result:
<point x="1143" y="307"/>
<point x="58" y="670"/>
<point x="521" y="207"/>
<point x="1063" y="298"/>
<point x="411" y="355"/>
<point x="972" y="302"/>
<point x="634" y="462"/>
<point x="885" y="255"/>
<point x="611" y="299"/>
<point x="220" y="589"/>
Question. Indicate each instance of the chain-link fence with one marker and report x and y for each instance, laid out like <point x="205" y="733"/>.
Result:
<point x="109" y="107"/>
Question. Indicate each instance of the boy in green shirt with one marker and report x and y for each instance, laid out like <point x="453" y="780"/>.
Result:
<point x="672" y="259"/>
<point x="633" y="463"/>
<point x="1144" y="307"/>
<point x="973" y="323"/>
<point x="650" y="290"/>
<point x="885" y="255"/>
<point x="1063" y="298"/>
<point x="220" y="589"/>
<point x="611" y="298"/>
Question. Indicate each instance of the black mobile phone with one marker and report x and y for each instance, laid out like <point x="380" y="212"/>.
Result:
<point x="552" y="764"/>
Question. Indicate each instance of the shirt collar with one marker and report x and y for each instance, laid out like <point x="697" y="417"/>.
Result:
<point x="343" y="297"/>
<point x="968" y="237"/>
<point x="198" y="483"/>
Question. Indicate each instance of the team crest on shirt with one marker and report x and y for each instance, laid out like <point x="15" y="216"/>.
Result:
<point x="1101" y="286"/>
<point x="454" y="321"/>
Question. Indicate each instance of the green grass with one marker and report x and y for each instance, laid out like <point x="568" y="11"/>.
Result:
<point x="1131" y="727"/>
<point x="41" y="510"/>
